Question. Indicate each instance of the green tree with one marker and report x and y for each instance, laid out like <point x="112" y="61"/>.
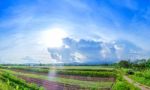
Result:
<point x="148" y="63"/>
<point x="124" y="63"/>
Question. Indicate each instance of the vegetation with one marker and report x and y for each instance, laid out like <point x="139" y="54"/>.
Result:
<point x="140" y="64"/>
<point x="122" y="84"/>
<point x="91" y="84"/>
<point x="16" y="83"/>
<point x="138" y="70"/>
<point x="88" y="73"/>
<point x="5" y="86"/>
<point x="142" y="77"/>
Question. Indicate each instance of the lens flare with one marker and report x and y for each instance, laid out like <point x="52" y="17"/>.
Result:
<point x="52" y="37"/>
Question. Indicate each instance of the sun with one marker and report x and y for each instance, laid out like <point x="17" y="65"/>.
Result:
<point x="52" y="37"/>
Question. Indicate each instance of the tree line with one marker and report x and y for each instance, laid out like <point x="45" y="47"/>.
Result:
<point x="137" y="64"/>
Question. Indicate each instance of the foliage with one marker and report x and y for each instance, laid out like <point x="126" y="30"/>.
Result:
<point x="6" y="86"/>
<point x="88" y="73"/>
<point x="130" y="72"/>
<point x="142" y="77"/>
<point x="91" y="84"/>
<point x="122" y="84"/>
<point x="139" y="64"/>
<point x="124" y="64"/>
<point x="82" y="72"/>
<point x="17" y="83"/>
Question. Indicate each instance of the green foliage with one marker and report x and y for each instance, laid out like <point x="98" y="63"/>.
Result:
<point x="142" y="77"/>
<point x="139" y="64"/>
<point x="124" y="64"/>
<point x="17" y="83"/>
<point x="5" y="86"/>
<point x="130" y="72"/>
<point x="148" y="63"/>
<point x="82" y="72"/>
<point x="88" y="73"/>
<point x="91" y="84"/>
<point x="122" y="84"/>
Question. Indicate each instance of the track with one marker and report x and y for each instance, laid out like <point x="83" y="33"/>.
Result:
<point x="142" y="87"/>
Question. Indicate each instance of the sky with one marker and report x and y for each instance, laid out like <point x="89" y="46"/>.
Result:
<point x="74" y="31"/>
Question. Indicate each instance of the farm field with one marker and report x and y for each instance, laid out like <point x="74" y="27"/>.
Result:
<point x="74" y="44"/>
<point x="66" y="78"/>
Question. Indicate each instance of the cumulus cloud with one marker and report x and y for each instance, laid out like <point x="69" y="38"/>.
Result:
<point x="90" y="51"/>
<point x="102" y="21"/>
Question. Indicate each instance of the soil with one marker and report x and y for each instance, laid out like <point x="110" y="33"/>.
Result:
<point x="48" y="85"/>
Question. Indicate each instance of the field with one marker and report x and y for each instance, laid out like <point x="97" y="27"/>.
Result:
<point x="62" y="78"/>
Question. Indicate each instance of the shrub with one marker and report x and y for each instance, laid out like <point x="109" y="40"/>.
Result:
<point x="130" y="72"/>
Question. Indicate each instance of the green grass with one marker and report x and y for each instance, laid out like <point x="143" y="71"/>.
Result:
<point x="124" y="85"/>
<point x="88" y="73"/>
<point x="101" y="72"/>
<point x="5" y="86"/>
<point x="86" y="67"/>
<point x="142" y="77"/>
<point x="61" y="68"/>
<point x="17" y="83"/>
<point x="121" y="83"/>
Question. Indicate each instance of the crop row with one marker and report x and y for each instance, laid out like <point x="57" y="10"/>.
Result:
<point x="91" y="73"/>
<point x="88" y="73"/>
<point x="92" y="85"/>
<point x="80" y="72"/>
<point x="46" y="70"/>
<point x="17" y="83"/>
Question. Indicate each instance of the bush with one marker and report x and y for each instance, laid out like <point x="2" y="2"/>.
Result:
<point x="130" y="72"/>
<point x="119" y="85"/>
<point x="17" y="83"/>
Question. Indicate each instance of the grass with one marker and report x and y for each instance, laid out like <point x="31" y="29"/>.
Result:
<point x="142" y="77"/>
<point x="6" y="86"/>
<point x="121" y="83"/>
<point x="17" y="83"/>
<point x="61" y="68"/>
<point x="86" y="67"/>
<point x="79" y="70"/>
<point x="88" y="73"/>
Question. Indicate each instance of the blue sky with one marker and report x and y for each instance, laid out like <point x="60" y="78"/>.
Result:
<point x="55" y="31"/>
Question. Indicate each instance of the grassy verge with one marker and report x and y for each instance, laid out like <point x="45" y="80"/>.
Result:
<point x="5" y="86"/>
<point x="122" y="84"/>
<point x="16" y="83"/>
<point x="142" y="77"/>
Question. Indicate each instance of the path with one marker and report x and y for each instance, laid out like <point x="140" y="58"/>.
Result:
<point x="141" y="86"/>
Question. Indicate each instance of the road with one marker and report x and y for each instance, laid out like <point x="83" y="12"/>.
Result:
<point x="142" y="87"/>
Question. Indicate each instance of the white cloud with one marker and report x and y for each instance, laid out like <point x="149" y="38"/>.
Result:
<point x="78" y="57"/>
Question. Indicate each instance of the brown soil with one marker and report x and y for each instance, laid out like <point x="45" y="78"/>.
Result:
<point x="48" y="85"/>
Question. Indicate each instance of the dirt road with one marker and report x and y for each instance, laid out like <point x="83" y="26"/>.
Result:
<point x="142" y="87"/>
